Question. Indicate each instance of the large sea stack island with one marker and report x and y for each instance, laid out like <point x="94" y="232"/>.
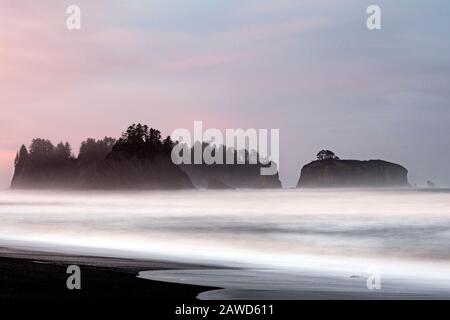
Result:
<point x="139" y="159"/>
<point x="328" y="171"/>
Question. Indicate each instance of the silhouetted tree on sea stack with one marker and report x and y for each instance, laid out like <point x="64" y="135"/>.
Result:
<point x="21" y="162"/>
<point x="22" y="157"/>
<point x="140" y="159"/>
<point x="142" y="142"/>
<point x="93" y="151"/>
<point x="168" y="143"/>
<point x="44" y="165"/>
<point x="63" y="151"/>
<point x="326" y="155"/>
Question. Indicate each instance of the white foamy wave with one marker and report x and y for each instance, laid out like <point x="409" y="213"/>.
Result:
<point x="403" y="231"/>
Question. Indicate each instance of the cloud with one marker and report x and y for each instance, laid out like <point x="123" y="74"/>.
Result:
<point x="265" y="31"/>
<point x="268" y="7"/>
<point x="201" y="62"/>
<point x="309" y="68"/>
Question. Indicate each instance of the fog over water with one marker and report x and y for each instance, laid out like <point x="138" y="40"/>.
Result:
<point x="401" y="232"/>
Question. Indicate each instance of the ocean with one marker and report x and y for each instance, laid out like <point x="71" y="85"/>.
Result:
<point x="262" y="243"/>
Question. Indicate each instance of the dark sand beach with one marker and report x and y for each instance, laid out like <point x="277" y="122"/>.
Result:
<point x="34" y="275"/>
<point x="26" y="275"/>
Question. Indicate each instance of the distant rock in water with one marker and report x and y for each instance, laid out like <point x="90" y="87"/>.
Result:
<point x="333" y="172"/>
<point x="230" y="176"/>
<point x="431" y="184"/>
<point x="226" y="176"/>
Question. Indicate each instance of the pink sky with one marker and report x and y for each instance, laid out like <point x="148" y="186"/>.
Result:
<point x="69" y="85"/>
<point x="307" y="68"/>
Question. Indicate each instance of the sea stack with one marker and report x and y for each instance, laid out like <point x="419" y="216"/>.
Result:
<point x="328" y="171"/>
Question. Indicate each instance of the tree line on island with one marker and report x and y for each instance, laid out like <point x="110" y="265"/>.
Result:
<point x="139" y="159"/>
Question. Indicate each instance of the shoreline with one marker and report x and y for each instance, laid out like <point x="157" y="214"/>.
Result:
<point x="28" y="275"/>
<point x="252" y="245"/>
<point x="39" y="275"/>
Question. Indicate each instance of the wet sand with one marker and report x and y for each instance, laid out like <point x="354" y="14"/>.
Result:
<point x="26" y="275"/>
<point x="35" y="275"/>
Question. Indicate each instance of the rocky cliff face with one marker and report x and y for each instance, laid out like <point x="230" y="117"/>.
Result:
<point x="352" y="173"/>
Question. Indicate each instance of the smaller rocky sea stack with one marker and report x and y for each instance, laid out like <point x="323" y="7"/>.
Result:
<point x="331" y="172"/>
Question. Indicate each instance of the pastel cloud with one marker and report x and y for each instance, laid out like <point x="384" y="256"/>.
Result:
<point x="309" y="68"/>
